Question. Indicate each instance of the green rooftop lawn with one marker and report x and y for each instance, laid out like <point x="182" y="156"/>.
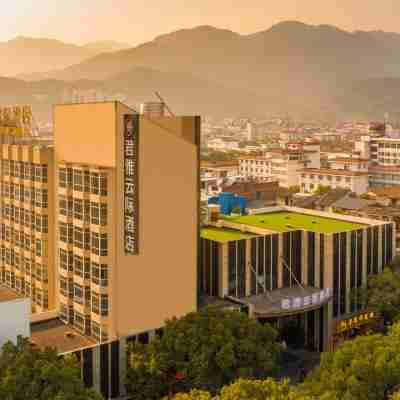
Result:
<point x="223" y="234"/>
<point x="284" y="221"/>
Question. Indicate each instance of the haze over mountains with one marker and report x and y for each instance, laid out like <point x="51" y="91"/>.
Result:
<point x="291" y="67"/>
<point x="24" y="55"/>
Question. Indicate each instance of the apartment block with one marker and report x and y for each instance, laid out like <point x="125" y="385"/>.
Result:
<point x="311" y="179"/>
<point x="27" y="223"/>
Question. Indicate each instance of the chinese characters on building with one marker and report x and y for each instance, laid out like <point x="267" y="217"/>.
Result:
<point x="131" y="131"/>
<point x="306" y="301"/>
<point x="347" y="324"/>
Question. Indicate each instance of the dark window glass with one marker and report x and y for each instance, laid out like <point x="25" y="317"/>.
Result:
<point x="321" y="260"/>
<point x="274" y="267"/>
<point x="311" y="259"/>
<point x="241" y="268"/>
<point x="253" y="267"/>
<point x="215" y="269"/>
<point x="232" y="268"/>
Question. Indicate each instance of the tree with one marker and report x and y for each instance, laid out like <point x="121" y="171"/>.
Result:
<point x="27" y="372"/>
<point x="245" y="389"/>
<point x="203" y="350"/>
<point x="382" y="293"/>
<point x="365" y="368"/>
<point x="268" y="389"/>
<point x="321" y="189"/>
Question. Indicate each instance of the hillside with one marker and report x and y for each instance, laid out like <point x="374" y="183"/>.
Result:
<point x="24" y="55"/>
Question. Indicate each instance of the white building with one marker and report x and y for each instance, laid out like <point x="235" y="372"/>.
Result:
<point x="283" y="164"/>
<point x="349" y="164"/>
<point x="214" y="174"/>
<point x="219" y="144"/>
<point x="14" y="316"/>
<point x="310" y="179"/>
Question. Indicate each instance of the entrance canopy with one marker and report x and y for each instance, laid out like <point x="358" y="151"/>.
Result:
<point x="287" y="301"/>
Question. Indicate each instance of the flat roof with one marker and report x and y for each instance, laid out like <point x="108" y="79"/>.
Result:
<point x="56" y="334"/>
<point x="7" y="294"/>
<point x="285" y="221"/>
<point x="224" y="234"/>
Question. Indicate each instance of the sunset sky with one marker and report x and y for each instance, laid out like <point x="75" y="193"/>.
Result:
<point x="135" y="21"/>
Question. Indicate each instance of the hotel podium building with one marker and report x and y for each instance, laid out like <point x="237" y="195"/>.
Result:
<point x="288" y="264"/>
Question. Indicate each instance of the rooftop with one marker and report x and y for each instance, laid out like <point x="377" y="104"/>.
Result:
<point x="285" y="221"/>
<point x="56" y="334"/>
<point x="224" y="235"/>
<point x="334" y="172"/>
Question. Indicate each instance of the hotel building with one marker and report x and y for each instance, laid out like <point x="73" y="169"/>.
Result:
<point x="285" y="263"/>
<point x="86" y="231"/>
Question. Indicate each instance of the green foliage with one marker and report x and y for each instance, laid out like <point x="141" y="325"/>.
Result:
<point x="366" y="368"/>
<point x="244" y="389"/>
<point x="268" y="389"/>
<point x="208" y="349"/>
<point x="220" y="155"/>
<point x="321" y="189"/>
<point x="383" y="293"/>
<point x="29" y="373"/>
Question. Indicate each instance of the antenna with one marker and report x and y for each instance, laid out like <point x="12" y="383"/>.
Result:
<point x="165" y="104"/>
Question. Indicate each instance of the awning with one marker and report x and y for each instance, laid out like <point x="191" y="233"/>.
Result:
<point x="287" y="301"/>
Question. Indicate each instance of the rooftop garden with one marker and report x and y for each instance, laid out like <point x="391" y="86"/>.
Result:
<point x="284" y="221"/>
<point x="223" y="234"/>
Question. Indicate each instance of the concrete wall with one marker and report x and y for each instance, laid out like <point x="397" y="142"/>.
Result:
<point x="161" y="281"/>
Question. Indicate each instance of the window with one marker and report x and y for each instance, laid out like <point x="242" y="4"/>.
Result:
<point x="100" y="274"/>
<point x="41" y="248"/>
<point x="79" y="321"/>
<point x="65" y="177"/>
<point x="95" y="303"/>
<point x="99" y="244"/>
<point x="41" y="273"/>
<point x="100" y="304"/>
<point x="27" y="171"/>
<point x="41" y="198"/>
<point x="78" y="265"/>
<point x="66" y="206"/>
<point x="99" y="183"/>
<point x="78" y="180"/>
<point x="99" y="214"/>
<point x="86" y="181"/>
<point x="78" y="209"/>
<point x="42" y="223"/>
<point x="104" y="304"/>
<point x="78" y="293"/>
<point x="95" y="183"/>
<point x="66" y="233"/>
<point x="78" y="237"/>
<point x="41" y="173"/>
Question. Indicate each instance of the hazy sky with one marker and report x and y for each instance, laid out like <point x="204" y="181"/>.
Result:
<point x="135" y="21"/>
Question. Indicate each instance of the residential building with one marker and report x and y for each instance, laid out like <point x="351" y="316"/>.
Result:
<point x="294" y="265"/>
<point x="310" y="179"/>
<point x="214" y="174"/>
<point x="349" y="164"/>
<point x="27" y="222"/>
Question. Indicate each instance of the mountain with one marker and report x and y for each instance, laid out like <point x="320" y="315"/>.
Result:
<point x="292" y="66"/>
<point x="106" y="46"/>
<point x="184" y="93"/>
<point x="24" y="55"/>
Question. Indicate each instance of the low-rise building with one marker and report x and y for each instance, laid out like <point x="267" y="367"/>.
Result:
<point x="291" y="265"/>
<point x="311" y="179"/>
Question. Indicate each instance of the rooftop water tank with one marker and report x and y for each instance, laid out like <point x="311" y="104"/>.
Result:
<point x="152" y="109"/>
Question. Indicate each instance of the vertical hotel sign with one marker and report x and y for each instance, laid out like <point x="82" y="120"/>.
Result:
<point x="131" y="195"/>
